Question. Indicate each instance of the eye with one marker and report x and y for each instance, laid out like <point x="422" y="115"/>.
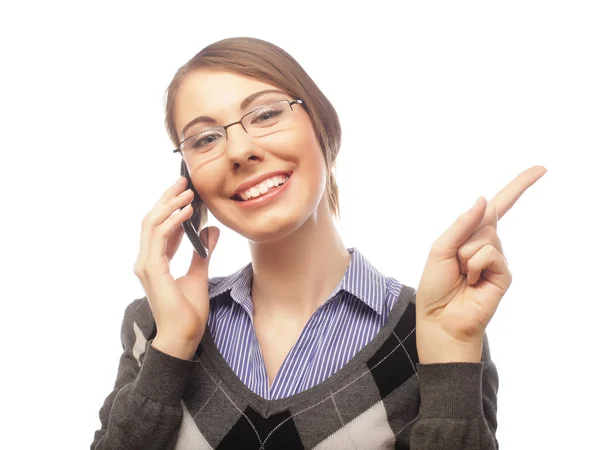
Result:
<point x="266" y="116"/>
<point x="206" y="139"/>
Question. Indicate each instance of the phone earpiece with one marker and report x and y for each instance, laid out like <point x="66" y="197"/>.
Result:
<point x="192" y="225"/>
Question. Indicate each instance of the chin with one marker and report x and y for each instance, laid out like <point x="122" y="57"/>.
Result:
<point x="266" y="230"/>
<point x="269" y="226"/>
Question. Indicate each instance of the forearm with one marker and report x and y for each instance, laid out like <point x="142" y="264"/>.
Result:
<point x="147" y="412"/>
<point x="458" y="404"/>
<point x="452" y="408"/>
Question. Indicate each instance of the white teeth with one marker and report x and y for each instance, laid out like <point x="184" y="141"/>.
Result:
<point x="263" y="187"/>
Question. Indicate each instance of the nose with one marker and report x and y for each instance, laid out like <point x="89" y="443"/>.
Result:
<point x="241" y="148"/>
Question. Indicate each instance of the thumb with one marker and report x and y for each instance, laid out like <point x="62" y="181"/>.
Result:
<point x="173" y="242"/>
<point x="490" y="217"/>
<point x="209" y="237"/>
<point x="447" y="244"/>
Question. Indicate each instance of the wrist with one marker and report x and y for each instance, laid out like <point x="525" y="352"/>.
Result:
<point x="436" y="348"/>
<point x="176" y="347"/>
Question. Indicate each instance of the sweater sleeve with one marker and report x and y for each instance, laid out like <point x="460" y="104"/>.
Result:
<point x="144" y="409"/>
<point x="458" y="405"/>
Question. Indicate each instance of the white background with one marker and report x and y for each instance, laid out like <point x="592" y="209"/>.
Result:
<point x="439" y="103"/>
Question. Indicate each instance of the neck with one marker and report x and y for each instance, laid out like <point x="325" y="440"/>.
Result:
<point x="295" y="275"/>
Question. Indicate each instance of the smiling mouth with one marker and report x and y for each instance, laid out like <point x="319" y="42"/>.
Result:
<point x="262" y="189"/>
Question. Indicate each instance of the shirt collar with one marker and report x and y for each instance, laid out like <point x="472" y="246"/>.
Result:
<point x="364" y="282"/>
<point x="361" y="280"/>
<point x="239" y="283"/>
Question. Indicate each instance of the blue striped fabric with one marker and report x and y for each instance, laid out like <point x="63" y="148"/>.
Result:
<point x="347" y="321"/>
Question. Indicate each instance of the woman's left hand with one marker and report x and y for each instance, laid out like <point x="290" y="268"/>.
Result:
<point x="465" y="277"/>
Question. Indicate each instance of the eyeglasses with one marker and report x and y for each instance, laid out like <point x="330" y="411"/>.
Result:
<point x="260" y="122"/>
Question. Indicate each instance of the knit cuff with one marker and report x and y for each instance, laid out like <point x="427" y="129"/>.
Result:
<point x="163" y="377"/>
<point x="451" y="390"/>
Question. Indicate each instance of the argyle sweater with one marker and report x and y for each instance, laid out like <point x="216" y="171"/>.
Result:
<point x="382" y="398"/>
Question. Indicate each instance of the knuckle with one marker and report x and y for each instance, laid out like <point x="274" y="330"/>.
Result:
<point x="509" y="276"/>
<point x="490" y="249"/>
<point x="178" y="199"/>
<point x="463" y="253"/>
<point x="162" y="231"/>
<point x="471" y="264"/>
<point x="138" y="270"/>
<point x="498" y="244"/>
<point x="146" y="221"/>
<point x="150" y="220"/>
<point x="437" y="246"/>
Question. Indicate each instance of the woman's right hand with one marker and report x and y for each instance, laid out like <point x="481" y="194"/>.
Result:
<point x="180" y="307"/>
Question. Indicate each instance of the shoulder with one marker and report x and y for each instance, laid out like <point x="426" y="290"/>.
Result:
<point x="397" y="296"/>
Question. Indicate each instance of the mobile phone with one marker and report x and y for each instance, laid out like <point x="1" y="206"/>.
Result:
<point x="192" y="225"/>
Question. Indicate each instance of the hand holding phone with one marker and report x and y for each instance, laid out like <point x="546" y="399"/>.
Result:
<point x="180" y="307"/>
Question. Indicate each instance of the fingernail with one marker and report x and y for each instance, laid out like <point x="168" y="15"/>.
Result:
<point x="179" y="180"/>
<point x="476" y="203"/>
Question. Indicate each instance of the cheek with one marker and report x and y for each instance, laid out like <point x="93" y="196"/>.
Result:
<point x="313" y="163"/>
<point x="303" y="150"/>
<point x="208" y="184"/>
<point x="302" y="140"/>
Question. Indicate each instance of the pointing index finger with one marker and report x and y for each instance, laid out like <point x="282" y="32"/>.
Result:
<point x="508" y="196"/>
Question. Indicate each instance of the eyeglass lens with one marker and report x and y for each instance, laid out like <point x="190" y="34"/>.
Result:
<point x="211" y="142"/>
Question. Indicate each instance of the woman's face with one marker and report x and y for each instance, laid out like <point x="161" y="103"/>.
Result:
<point x="291" y="151"/>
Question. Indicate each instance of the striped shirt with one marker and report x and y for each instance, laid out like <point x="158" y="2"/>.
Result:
<point x="347" y="321"/>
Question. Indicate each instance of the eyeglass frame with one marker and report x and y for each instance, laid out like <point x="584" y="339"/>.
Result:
<point x="290" y="102"/>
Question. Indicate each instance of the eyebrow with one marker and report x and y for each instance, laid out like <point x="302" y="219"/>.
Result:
<point x="243" y="105"/>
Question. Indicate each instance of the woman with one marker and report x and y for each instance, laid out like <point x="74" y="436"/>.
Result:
<point x="309" y="346"/>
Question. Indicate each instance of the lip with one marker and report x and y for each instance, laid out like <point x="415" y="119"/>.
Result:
<point x="271" y="195"/>
<point x="248" y="184"/>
